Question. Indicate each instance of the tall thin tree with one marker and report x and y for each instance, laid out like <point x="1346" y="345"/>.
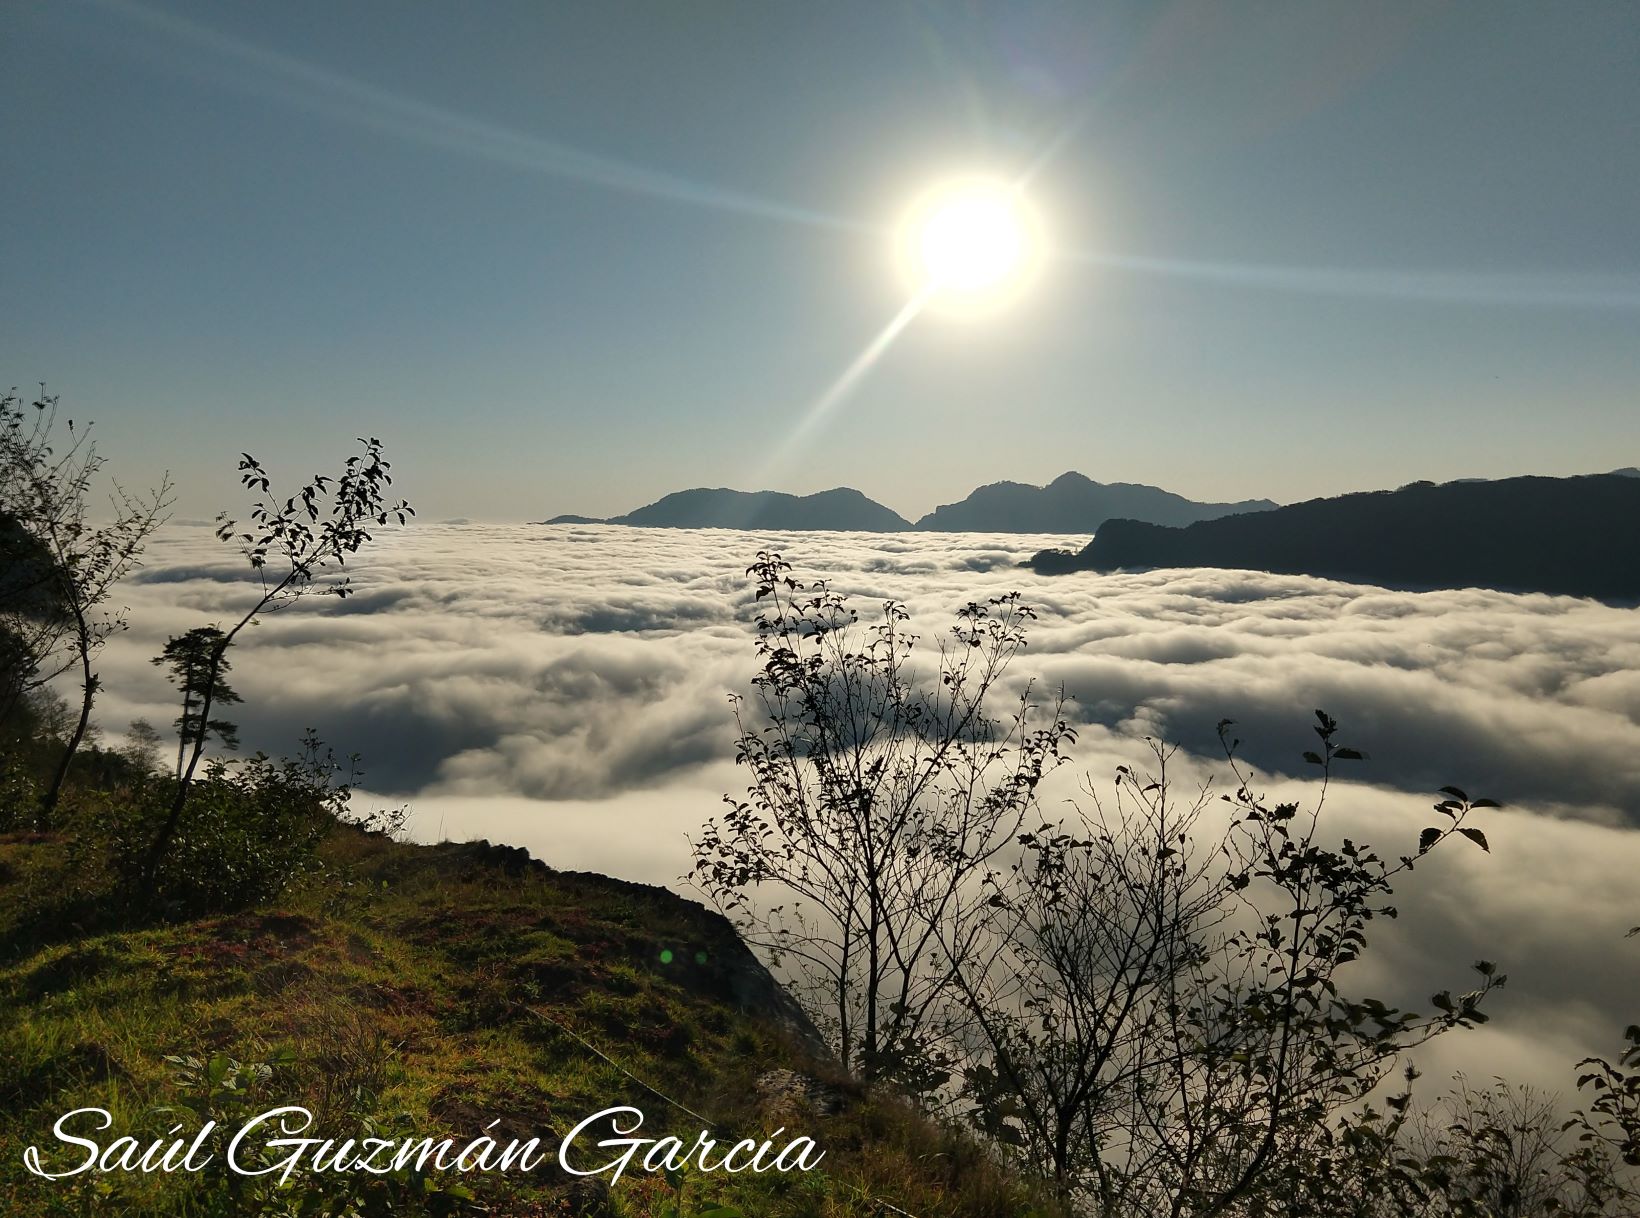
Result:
<point x="189" y="657"/>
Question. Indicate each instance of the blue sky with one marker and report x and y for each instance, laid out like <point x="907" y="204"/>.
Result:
<point x="567" y="257"/>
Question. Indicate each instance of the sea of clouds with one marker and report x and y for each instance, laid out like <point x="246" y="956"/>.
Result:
<point x="566" y="688"/>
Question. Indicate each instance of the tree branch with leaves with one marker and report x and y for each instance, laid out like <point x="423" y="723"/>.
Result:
<point x="877" y="804"/>
<point x="295" y="547"/>
<point x="1162" y="1021"/>
<point x="45" y="490"/>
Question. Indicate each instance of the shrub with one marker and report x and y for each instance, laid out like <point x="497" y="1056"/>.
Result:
<point x="251" y="828"/>
<point x="1143" y="1003"/>
<point x="18" y="794"/>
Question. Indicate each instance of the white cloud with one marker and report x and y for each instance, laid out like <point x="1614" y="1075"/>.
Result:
<point x="565" y="688"/>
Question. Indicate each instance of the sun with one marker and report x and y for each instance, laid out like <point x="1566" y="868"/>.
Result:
<point x="970" y="245"/>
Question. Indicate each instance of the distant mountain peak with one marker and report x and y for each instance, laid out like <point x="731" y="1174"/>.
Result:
<point x="841" y="508"/>
<point x="1073" y="503"/>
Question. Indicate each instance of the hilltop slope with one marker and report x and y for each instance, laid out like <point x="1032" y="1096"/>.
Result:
<point x="432" y="990"/>
<point x="1565" y="536"/>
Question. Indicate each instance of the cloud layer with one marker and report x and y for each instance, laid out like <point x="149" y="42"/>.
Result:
<point x="566" y="688"/>
<point x="569" y="662"/>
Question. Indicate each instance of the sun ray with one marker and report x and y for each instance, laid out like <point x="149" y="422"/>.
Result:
<point x="304" y="86"/>
<point x="840" y="389"/>
<point x="966" y="248"/>
<point x="1600" y="291"/>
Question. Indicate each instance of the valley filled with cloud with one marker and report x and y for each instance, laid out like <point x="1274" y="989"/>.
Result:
<point x="566" y="688"/>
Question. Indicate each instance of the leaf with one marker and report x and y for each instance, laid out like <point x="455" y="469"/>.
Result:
<point x="1311" y="757"/>
<point x="1476" y="836"/>
<point x="1455" y="793"/>
<point x="1350" y="755"/>
<point x="1428" y="838"/>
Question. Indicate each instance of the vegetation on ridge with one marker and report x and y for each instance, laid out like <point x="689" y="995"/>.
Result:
<point x="425" y="990"/>
<point x="1137" y="1008"/>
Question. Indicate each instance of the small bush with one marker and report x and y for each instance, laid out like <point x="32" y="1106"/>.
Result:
<point x="220" y="1089"/>
<point x="18" y="795"/>
<point x="251" y="828"/>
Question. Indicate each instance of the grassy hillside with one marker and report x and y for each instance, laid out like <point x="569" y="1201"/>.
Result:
<point x="431" y="990"/>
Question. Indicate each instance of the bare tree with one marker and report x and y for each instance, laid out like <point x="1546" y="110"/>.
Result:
<point x="1162" y="1021"/>
<point x="1144" y="1002"/>
<point x="1495" y="1152"/>
<point x="46" y="494"/>
<point x="1610" y="1124"/>
<point x="877" y="806"/>
<point x="1102" y="925"/>
<point x="142" y="745"/>
<point x="1503" y="1152"/>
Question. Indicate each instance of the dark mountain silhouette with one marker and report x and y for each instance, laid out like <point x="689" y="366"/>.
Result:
<point x="1072" y="503"/>
<point x="29" y="576"/>
<point x="1571" y="536"/>
<point x="843" y="508"/>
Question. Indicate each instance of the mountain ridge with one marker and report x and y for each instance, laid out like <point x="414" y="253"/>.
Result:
<point x="842" y="508"/>
<point x="1071" y="503"/>
<point x="1577" y="536"/>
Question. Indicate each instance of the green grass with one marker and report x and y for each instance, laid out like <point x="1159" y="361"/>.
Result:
<point x="440" y="988"/>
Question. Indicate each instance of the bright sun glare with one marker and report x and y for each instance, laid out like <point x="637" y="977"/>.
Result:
<point x="970" y="244"/>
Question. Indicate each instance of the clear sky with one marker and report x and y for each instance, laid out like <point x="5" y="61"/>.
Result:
<point x="568" y="257"/>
